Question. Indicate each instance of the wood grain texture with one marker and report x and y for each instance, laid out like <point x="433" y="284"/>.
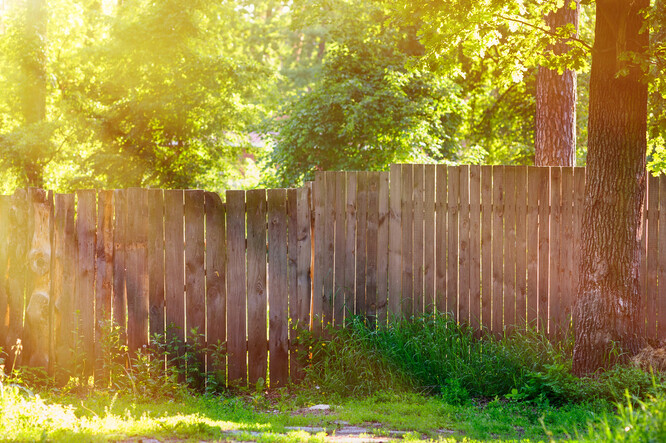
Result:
<point x="236" y="296"/>
<point x="340" y="244"/>
<point x="475" y="246"/>
<point x="532" y="246"/>
<point x="395" y="240"/>
<point x="304" y="281"/>
<point x="429" y="236"/>
<point x="257" y="290"/>
<point x="486" y="246"/>
<point x="382" y="248"/>
<point x="174" y="269"/>
<point x="86" y="216"/>
<point x="441" y="217"/>
<point x="407" y="206"/>
<point x="5" y="208"/>
<point x="543" y="190"/>
<point x="652" y="262"/>
<point x="463" y="247"/>
<point x="555" y="293"/>
<point x="277" y="290"/>
<point x="216" y="284"/>
<point x="661" y="290"/>
<point x="292" y="291"/>
<point x="137" y="270"/>
<point x="452" y="241"/>
<point x="318" y="271"/>
<point x="349" y="285"/>
<point x="329" y="249"/>
<point x="372" y="232"/>
<point x="156" y="296"/>
<point x="566" y="251"/>
<point x="509" y="275"/>
<point x="521" y="247"/>
<point x="119" y="303"/>
<point x="103" y="280"/>
<point x="498" y="250"/>
<point x="418" y="195"/>
<point x="361" y="242"/>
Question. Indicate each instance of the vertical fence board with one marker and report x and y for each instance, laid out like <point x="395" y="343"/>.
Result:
<point x="463" y="246"/>
<point x="566" y="251"/>
<point x="371" y="246"/>
<point x="532" y="245"/>
<point x="429" y="239"/>
<point x="119" y="303"/>
<point x="174" y="270"/>
<point x="475" y="245"/>
<point x="319" y="196"/>
<point x="661" y="291"/>
<point x="350" y="243"/>
<point x="195" y="279"/>
<point x="418" y="247"/>
<point x="544" y="230"/>
<point x="486" y="246"/>
<point x="441" y="210"/>
<point x="382" y="247"/>
<point x="137" y="270"/>
<point x="277" y="291"/>
<point x="85" y="288"/>
<point x="652" y="255"/>
<point x="257" y="297"/>
<point x="303" y="275"/>
<point x="236" y="298"/>
<point x="292" y="291"/>
<point x="509" y="275"/>
<point x="103" y="278"/>
<point x="642" y="273"/>
<point x="216" y="285"/>
<point x="340" y="244"/>
<point x="329" y="248"/>
<point x="407" y="208"/>
<point x="64" y="241"/>
<point x="452" y="236"/>
<point x="156" y="260"/>
<point x="395" y="239"/>
<point x="498" y="250"/>
<point x="361" y="242"/>
<point x="521" y="247"/>
<point x="16" y="272"/>
<point x="554" y="298"/>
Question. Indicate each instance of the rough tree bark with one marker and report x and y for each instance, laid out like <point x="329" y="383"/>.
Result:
<point x="606" y="312"/>
<point x="555" y="135"/>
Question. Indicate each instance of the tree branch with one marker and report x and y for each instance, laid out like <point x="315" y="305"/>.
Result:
<point x="522" y="22"/>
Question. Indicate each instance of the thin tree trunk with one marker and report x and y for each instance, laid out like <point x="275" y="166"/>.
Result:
<point x="555" y="136"/>
<point x="606" y="312"/>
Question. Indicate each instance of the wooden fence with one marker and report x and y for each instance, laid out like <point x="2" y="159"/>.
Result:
<point x="495" y="246"/>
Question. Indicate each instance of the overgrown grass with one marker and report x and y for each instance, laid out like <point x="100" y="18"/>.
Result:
<point x="433" y="354"/>
<point x="426" y="378"/>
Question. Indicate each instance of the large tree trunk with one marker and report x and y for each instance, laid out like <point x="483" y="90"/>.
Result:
<point x="555" y="136"/>
<point x="606" y="312"/>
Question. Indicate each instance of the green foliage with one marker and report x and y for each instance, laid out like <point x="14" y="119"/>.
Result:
<point x="636" y="421"/>
<point x="367" y="109"/>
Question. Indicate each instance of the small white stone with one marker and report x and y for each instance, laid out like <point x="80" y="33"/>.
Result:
<point x="319" y="408"/>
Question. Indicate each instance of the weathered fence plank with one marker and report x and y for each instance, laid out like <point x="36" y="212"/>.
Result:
<point x="382" y="247"/>
<point x="418" y="194"/>
<point x="236" y="298"/>
<point x="661" y="290"/>
<point x="486" y="246"/>
<point x="452" y="236"/>
<point x="319" y="199"/>
<point x="329" y="249"/>
<point x="566" y="251"/>
<point x="156" y="296"/>
<point x="257" y="295"/>
<point x="543" y="191"/>
<point x="174" y="282"/>
<point x="440" y="237"/>
<point x="498" y="250"/>
<point x="103" y="281"/>
<point x="304" y="247"/>
<point x="395" y="239"/>
<point x="340" y="256"/>
<point x="509" y="275"/>
<point x="475" y="246"/>
<point x="349" y="285"/>
<point x="532" y="246"/>
<point x="407" y="208"/>
<point x="216" y="285"/>
<point x="195" y="280"/>
<point x="5" y="207"/>
<point x="119" y="304"/>
<point x="554" y="296"/>
<point x="521" y="247"/>
<point x="85" y="280"/>
<point x="137" y="270"/>
<point x="277" y="290"/>
<point x="292" y="292"/>
<point x="372" y="227"/>
<point x="361" y="242"/>
<point x="651" y="288"/>
<point x="464" y="261"/>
